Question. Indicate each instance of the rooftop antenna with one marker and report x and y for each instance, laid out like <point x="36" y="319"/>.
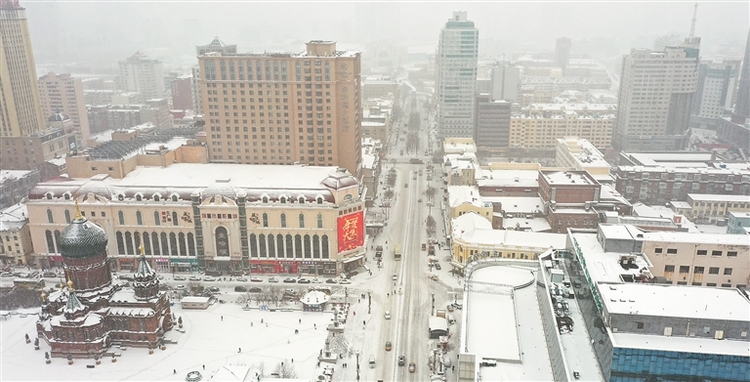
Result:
<point x="692" y="24"/>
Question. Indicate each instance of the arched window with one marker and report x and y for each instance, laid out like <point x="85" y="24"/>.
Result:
<point x="265" y="199"/>
<point x="271" y="246"/>
<point x="183" y="248"/>
<point x="50" y="218"/>
<point x="283" y="200"/>
<point x="137" y="239"/>
<point x="320" y="220"/>
<point x="66" y="196"/>
<point x="120" y="197"/>
<point x="174" y="218"/>
<point x="253" y="245"/>
<point x="157" y="219"/>
<point x="325" y="247"/>
<point x="57" y="240"/>
<point x="298" y="246"/>
<point x="48" y="196"/>
<point x="302" y="220"/>
<point x="138" y="197"/>
<point x="289" y="247"/>
<point x="308" y="247"/>
<point x="319" y="199"/>
<point x="138" y="218"/>
<point x="50" y="241"/>
<point x="301" y="200"/>
<point x="147" y="243"/>
<point x="173" y="244"/>
<point x="129" y="243"/>
<point x="155" y="240"/>
<point x="164" y="244"/>
<point x="279" y="246"/>
<point x="121" y="217"/>
<point x="283" y="220"/>
<point x="191" y="244"/>
<point x="174" y="197"/>
<point x="316" y="246"/>
<point x="67" y="216"/>
<point x="265" y="219"/>
<point x="157" y="197"/>
<point x="120" y="243"/>
<point x="262" y="245"/>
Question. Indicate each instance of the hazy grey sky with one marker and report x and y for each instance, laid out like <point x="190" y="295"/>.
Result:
<point x="102" y="31"/>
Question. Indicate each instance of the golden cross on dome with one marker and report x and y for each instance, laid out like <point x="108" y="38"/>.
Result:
<point x="142" y="250"/>
<point x="78" y="212"/>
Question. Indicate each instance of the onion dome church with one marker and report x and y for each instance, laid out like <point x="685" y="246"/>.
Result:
<point x="92" y="313"/>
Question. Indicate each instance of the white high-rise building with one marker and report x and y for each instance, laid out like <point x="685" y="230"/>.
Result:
<point x="505" y="80"/>
<point x="456" y="76"/>
<point x="139" y="73"/>
<point x="656" y="94"/>
<point x="717" y="82"/>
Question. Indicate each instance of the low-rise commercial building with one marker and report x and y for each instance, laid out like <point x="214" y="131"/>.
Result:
<point x="708" y="208"/>
<point x="581" y="155"/>
<point x="27" y="153"/>
<point x="15" y="185"/>
<point x="15" y="238"/>
<point x="218" y="217"/>
<point x="738" y="223"/>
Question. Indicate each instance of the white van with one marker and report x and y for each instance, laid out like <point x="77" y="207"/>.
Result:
<point x="372" y="362"/>
<point x="451" y="320"/>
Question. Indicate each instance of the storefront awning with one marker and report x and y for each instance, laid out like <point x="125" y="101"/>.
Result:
<point x="354" y="258"/>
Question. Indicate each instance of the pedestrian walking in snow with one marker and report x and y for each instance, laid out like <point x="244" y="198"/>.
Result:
<point x="239" y="350"/>
<point x="204" y="367"/>
<point x="222" y="318"/>
<point x="174" y="371"/>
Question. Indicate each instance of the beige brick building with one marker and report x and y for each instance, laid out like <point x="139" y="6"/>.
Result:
<point x="543" y="124"/>
<point x="61" y="93"/>
<point x="15" y="238"/>
<point x="283" y="108"/>
<point x="217" y="217"/>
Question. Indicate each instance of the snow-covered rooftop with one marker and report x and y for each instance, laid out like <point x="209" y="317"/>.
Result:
<point x="13" y="217"/>
<point x="518" y="204"/>
<point x="13" y="174"/>
<point x="477" y="230"/>
<point x="604" y="266"/>
<point x="681" y="344"/>
<point x="507" y="178"/>
<point x="459" y="195"/>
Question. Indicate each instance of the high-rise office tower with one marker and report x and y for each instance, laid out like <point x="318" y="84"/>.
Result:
<point x="61" y="93"/>
<point x="492" y="118"/>
<point x="656" y="93"/>
<point x="215" y="45"/>
<point x="280" y="108"/>
<point x="716" y="85"/>
<point x="562" y="52"/>
<point x="20" y="111"/>
<point x="456" y="77"/>
<point x="138" y="73"/>
<point x="742" y="107"/>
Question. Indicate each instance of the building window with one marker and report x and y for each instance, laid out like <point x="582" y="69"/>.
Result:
<point x="164" y="244"/>
<point x="157" y="197"/>
<point x="138" y="218"/>
<point x="155" y="242"/>
<point x="684" y="269"/>
<point x="50" y="241"/>
<point x="302" y="220"/>
<point x="147" y="243"/>
<point x="319" y="199"/>
<point x="713" y="270"/>
<point x="639" y="325"/>
<point x="658" y="250"/>
<point x="129" y="244"/>
<point x="702" y="252"/>
<point x="120" y="243"/>
<point x="191" y="244"/>
<point x="271" y="246"/>
<point x="265" y="199"/>
<point x="67" y="220"/>
<point x="157" y="219"/>
<point x="320" y="220"/>
<point x="138" y="197"/>
<point x="671" y="251"/>
<point x="183" y="249"/>
<point x="173" y="244"/>
<point x="298" y="246"/>
<point x="308" y="247"/>
<point x="289" y="247"/>
<point x="50" y="218"/>
<point x="301" y="200"/>
<point x="253" y="245"/>
<point x="727" y="271"/>
<point x="732" y="254"/>
<point x="265" y="220"/>
<point x="174" y="218"/>
<point x="324" y="245"/>
<point x="121" y="217"/>
<point x="222" y="242"/>
<point x="699" y="270"/>
<point x="668" y="268"/>
<point x="283" y="220"/>
<point x="716" y="253"/>
<point x="262" y="245"/>
<point x="316" y="246"/>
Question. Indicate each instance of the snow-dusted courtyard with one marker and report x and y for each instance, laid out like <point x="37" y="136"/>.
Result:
<point x="212" y="337"/>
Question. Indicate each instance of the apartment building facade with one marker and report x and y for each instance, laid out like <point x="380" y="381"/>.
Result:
<point x="61" y="93"/>
<point x="541" y="125"/>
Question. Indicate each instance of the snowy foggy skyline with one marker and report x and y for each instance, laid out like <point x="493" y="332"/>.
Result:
<point x="101" y="33"/>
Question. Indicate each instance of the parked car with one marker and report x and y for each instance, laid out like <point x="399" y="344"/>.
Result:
<point x="387" y="315"/>
<point x="194" y="278"/>
<point x="214" y="289"/>
<point x="401" y="360"/>
<point x="254" y="290"/>
<point x="256" y="279"/>
<point x="241" y="279"/>
<point x="49" y="275"/>
<point x="209" y="278"/>
<point x="395" y="277"/>
<point x="290" y="280"/>
<point x="331" y="281"/>
<point x="273" y="280"/>
<point x="240" y="288"/>
<point x="437" y="266"/>
<point x="179" y="278"/>
<point x="345" y="281"/>
<point x="179" y="287"/>
<point x="388" y="346"/>
<point x="412" y="367"/>
<point x="303" y="281"/>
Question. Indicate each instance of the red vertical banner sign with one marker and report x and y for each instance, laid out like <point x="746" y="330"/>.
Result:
<point x="351" y="231"/>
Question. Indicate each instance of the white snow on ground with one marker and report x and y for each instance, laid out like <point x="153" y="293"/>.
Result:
<point x="208" y="340"/>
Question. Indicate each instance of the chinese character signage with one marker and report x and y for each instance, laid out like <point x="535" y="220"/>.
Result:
<point x="351" y="232"/>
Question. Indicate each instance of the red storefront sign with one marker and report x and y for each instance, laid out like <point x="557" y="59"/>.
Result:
<point x="351" y="231"/>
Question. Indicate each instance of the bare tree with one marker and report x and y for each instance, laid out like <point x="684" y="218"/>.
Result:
<point x="286" y="370"/>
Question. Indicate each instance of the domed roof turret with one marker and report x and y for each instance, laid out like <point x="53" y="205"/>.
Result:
<point x="340" y="179"/>
<point x="58" y="117"/>
<point x="82" y="238"/>
<point x="220" y="187"/>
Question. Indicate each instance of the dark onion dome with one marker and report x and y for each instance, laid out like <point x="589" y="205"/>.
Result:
<point x="82" y="238"/>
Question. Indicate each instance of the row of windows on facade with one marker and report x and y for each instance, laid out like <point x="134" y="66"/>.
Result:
<point x="700" y="252"/>
<point x="698" y="270"/>
<point x="157" y="197"/>
<point x="159" y="218"/>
